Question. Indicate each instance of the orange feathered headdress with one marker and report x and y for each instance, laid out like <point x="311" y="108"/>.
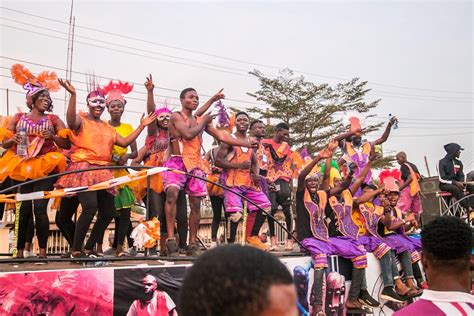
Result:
<point x="116" y="90"/>
<point x="46" y="80"/>
<point x="390" y="179"/>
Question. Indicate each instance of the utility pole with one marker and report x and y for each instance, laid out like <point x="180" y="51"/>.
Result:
<point x="70" y="50"/>
<point x="427" y="167"/>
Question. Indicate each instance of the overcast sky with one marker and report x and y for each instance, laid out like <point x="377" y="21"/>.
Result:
<point x="416" y="55"/>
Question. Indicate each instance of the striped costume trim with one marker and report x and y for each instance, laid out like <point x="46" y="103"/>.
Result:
<point x="381" y="250"/>
<point x="320" y="261"/>
<point x="360" y="262"/>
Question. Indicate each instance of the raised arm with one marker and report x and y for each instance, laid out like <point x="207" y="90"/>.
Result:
<point x="188" y="133"/>
<point x="222" y="162"/>
<point x="359" y="180"/>
<point x="367" y="196"/>
<point x="331" y="148"/>
<point x="72" y="119"/>
<point x="216" y="97"/>
<point x="304" y="173"/>
<point x="152" y="129"/>
<point x="340" y="137"/>
<point x="144" y="121"/>
<point x="344" y="185"/>
<point x="327" y="171"/>
<point x="386" y="133"/>
<point x="225" y="137"/>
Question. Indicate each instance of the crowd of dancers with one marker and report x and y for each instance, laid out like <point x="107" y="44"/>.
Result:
<point x="340" y="209"/>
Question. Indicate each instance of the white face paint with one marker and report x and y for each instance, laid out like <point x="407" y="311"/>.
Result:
<point x="96" y="101"/>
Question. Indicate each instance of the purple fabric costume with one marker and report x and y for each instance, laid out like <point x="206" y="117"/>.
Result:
<point x="322" y="246"/>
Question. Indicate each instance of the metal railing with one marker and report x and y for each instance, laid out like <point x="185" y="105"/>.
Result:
<point x="59" y="244"/>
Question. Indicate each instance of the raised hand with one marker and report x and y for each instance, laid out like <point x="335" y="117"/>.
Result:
<point x="209" y="117"/>
<point x="325" y="153"/>
<point x="352" y="167"/>
<point x="66" y="84"/>
<point x="393" y="120"/>
<point x="145" y="121"/>
<point x="149" y="85"/>
<point x="332" y="145"/>
<point x="218" y="96"/>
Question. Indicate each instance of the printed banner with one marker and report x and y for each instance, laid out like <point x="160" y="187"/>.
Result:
<point x="153" y="290"/>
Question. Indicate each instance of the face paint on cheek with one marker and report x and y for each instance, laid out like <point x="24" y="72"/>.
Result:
<point x="96" y="102"/>
<point x="162" y="117"/>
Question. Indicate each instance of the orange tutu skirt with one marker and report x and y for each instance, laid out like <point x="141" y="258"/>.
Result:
<point x="212" y="189"/>
<point x="139" y="187"/>
<point x="84" y="179"/>
<point x="156" y="182"/>
<point x="18" y="169"/>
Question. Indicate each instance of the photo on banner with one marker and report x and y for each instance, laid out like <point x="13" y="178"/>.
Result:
<point x="147" y="290"/>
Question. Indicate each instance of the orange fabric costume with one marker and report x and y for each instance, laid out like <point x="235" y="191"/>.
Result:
<point x="43" y="155"/>
<point x="93" y="145"/>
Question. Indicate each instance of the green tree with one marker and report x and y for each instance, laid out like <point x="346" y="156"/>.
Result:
<point x="313" y="111"/>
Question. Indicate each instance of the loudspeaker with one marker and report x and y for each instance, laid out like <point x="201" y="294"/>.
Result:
<point x="430" y="206"/>
<point x="429" y="185"/>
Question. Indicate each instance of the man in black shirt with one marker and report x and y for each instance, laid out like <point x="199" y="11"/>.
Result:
<point x="410" y="193"/>
<point x="451" y="175"/>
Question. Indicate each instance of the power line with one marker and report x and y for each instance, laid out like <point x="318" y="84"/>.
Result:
<point x="62" y="100"/>
<point x="431" y="135"/>
<point x="403" y="124"/>
<point x="138" y="112"/>
<point x="375" y="92"/>
<point x="125" y="46"/>
<point x="125" y="52"/>
<point x="228" y="58"/>
<point x="427" y="119"/>
<point x="191" y="65"/>
<point x="111" y="78"/>
<point x="415" y="98"/>
<point x="420" y="95"/>
<point x="85" y="83"/>
<point x="432" y="98"/>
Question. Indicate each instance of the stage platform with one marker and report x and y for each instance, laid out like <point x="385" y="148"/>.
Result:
<point x="57" y="263"/>
<point x="108" y="286"/>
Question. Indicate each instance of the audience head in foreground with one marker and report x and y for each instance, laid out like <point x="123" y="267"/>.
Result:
<point x="234" y="280"/>
<point x="447" y="245"/>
